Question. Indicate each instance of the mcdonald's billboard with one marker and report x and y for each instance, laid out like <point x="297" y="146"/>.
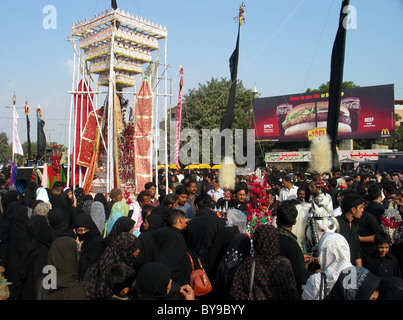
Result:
<point x="365" y="113"/>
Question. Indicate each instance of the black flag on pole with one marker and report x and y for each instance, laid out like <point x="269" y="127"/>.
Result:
<point x="114" y="5"/>
<point x="41" y="144"/>
<point x="335" y="85"/>
<point x="26" y="110"/>
<point x="233" y="64"/>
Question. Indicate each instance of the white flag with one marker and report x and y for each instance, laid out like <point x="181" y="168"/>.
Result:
<point x="17" y="148"/>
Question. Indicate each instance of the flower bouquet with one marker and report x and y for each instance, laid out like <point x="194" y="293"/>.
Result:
<point x="392" y="224"/>
<point x="257" y="208"/>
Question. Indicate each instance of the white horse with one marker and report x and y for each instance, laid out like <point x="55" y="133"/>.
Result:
<point x="313" y="221"/>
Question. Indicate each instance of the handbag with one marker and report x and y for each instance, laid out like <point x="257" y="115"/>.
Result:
<point x="199" y="280"/>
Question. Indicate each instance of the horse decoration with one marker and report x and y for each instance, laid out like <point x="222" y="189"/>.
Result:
<point x="320" y="220"/>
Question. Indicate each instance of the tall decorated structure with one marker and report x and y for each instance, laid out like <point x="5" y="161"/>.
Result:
<point x="112" y="145"/>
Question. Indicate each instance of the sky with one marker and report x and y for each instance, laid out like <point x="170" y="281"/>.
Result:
<point x="285" y="48"/>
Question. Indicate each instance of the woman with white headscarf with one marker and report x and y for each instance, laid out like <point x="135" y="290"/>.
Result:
<point x="42" y="194"/>
<point x="334" y="256"/>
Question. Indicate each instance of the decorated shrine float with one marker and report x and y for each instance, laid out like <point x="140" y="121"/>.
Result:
<point x="115" y="145"/>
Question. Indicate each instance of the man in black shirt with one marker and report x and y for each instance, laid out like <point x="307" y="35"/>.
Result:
<point x="301" y="183"/>
<point x="202" y="229"/>
<point x="352" y="207"/>
<point x="375" y="206"/>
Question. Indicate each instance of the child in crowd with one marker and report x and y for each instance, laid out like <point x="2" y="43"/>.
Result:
<point x="381" y="262"/>
<point x="122" y="279"/>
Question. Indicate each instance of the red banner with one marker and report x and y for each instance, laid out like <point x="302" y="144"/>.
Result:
<point x="83" y="106"/>
<point x="142" y="134"/>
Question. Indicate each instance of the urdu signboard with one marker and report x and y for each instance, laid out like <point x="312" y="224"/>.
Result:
<point x="305" y="156"/>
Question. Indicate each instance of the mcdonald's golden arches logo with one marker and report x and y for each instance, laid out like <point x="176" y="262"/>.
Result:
<point x="385" y="132"/>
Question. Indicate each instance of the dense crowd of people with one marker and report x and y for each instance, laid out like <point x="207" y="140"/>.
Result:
<point x="115" y="248"/>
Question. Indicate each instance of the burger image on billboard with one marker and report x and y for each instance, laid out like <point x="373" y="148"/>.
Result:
<point x="308" y="116"/>
<point x="344" y="116"/>
<point x="300" y="119"/>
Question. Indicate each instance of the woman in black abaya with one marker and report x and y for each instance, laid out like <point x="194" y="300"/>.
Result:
<point x="171" y="250"/>
<point x="9" y="201"/>
<point x="35" y="255"/>
<point x="152" y="222"/>
<point x="59" y="224"/>
<point x="92" y="244"/>
<point x="17" y="241"/>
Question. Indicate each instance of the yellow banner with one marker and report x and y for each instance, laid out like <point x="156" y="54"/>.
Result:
<point x="316" y="133"/>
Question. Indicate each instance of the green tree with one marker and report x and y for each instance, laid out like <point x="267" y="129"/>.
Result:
<point x="204" y="107"/>
<point x="325" y="86"/>
<point x="5" y="148"/>
<point x="397" y="141"/>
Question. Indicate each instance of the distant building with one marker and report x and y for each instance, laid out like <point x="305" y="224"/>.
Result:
<point x="399" y="111"/>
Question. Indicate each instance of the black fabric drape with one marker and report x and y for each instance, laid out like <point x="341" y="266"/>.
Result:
<point x="41" y="146"/>
<point x="335" y="85"/>
<point x="229" y="112"/>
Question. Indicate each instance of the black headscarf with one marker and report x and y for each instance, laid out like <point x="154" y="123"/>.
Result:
<point x="170" y="248"/>
<point x="365" y="284"/>
<point x="165" y="213"/>
<point x="147" y="247"/>
<point x="201" y="231"/>
<point x="220" y="244"/>
<point x="60" y="224"/>
<point x="79" y="194"/>
<point x="63" y="256"/>
<point x="56" y="201"/>
<point x="101" y="198"/>
<point x="123" y="224"/>
<point x="39" y="231"/>
<point x="234" y="254"/>
<point x="93" y="245"/>
<point x="66" y="200"/>
<point x="152" y="281"/>
<point x="28" y="198"/>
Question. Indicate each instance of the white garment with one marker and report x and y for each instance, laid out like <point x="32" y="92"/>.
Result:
<point x="136" y="216"/>
<point x="300" y="225"/>
<point x="180" y="177"/>
<point x="286" y="194"/>
<point x="216" y="194"/>
<point x="337" y="212"/>
<point x="42" y="194"/>
<point x="334" y="256"/>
